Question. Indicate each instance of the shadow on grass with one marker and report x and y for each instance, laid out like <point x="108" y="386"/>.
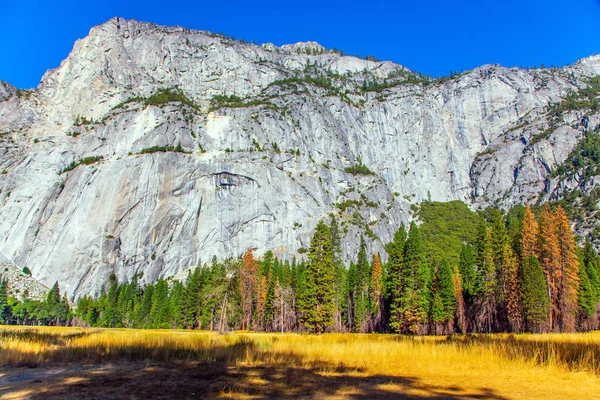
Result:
<point x="47" y="338"/>
<point x="226" y="373"/>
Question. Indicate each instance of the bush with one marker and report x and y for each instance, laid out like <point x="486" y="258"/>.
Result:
<point x="83" y="161"/>
<point x="359" y="169"/>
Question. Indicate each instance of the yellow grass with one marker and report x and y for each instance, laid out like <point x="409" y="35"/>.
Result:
<point x="552" y="366"/>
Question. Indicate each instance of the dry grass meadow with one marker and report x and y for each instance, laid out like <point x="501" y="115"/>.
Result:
<point x="83" y="363"/>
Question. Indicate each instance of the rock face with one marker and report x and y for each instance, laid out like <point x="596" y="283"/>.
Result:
<point x="151" y="149"/>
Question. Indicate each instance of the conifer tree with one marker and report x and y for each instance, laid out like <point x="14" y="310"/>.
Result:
<point x="191" y="300"/>
<point x="444" y="301"/>
<point x="550" y="261"/>
<point x="591" y="262"/>
<point x="4" y="310"/>
<point x="585" y="297"/>
<point x="352" y="293"/>
<point x="529" y="235"/>
<point x="144" y="308"/>
<point x="261" y="301"/>
<point x="468" y="271"/>
<point x="248" y="287"/>
<point x="397" y="280"/>
<point x="419" y="302"/>
<point x="317" y="302"/>
<point x="534" y="294"/>
<point x="485" y="288"/>
<point x="568" y="284"/>
<point x="460" y="315"/>
<point x="159" y="312"/>
<point x="361" y="308"/>
<point x="512" y="290"/>
<point x="375" y="292"/>
<point x="340" y="276"/>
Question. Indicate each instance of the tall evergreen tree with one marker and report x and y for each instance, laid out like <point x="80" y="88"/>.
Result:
<point x="317" y="302"/>
<point x="468" y="271"/>
<point x="419" y="296"/>
<point x="159" y="312"/>
<point x="485" y="288"/>
<point x="361" y="302"/>
<point x="340" y="275"/>
<point x="4" y="310"/>
<point x="534" y="294"/>
<point x="376" y="293"/>
<point x="529" y="235"/>
<point x="569" y="271"/>
<point x="592" y="267"/>
<point x="460" y="314"/>
<point x="444" y="300"/>
<point x="248" y="287"/>
<point x="550" y="261"/>
<point x="512" y="290"/>
<point x="397" y="279"/>
<point x="585" y="297"/>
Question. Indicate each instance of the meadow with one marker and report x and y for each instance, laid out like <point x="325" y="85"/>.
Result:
<point x="59" y="362"/>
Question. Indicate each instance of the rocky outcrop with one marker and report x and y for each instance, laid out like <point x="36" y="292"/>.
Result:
<point x="151" y="149"/>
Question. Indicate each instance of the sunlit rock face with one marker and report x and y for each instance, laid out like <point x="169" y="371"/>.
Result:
<point x="152" y="149"/>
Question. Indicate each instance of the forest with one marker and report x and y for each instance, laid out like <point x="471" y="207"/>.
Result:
<point x="456" y="272"/>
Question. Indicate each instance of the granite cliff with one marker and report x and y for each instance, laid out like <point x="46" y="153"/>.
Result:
<point x="151" y="149"/>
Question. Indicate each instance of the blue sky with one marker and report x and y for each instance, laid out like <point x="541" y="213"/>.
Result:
<point x="429" y="36"/>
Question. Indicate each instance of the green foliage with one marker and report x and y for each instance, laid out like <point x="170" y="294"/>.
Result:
<point x="534" y="293"/>
<point x="444" y="301"/>
<point x="468" y="271"/>
<point x="26" y="271"/>
<point x="83" y="161"/>
<point x="359" y="169"/>
<point x="586" y="295"/>
<point x="160" y="98"/>
<point x="446" y="227"/>
<point x="317" y="300"/>
<point x="4" y="309"/>
<point x="397" y="279"/>
<point x="585" y="98"/>
<point x="584" y="159"/>
<point x="163" y="149"/>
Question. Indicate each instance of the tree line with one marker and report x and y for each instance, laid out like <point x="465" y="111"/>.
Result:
<point x="520" y="272"/>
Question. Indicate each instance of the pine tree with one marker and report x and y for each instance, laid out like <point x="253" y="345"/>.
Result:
<point x="317" y="302"/>
<point x="585" y="296"/>
<point x="261" y="301"/>
<point x="340" y="276"/>
<point x="4" y="309"/>
<point x="512" y="291"/>
<point x="375" y="293"/>
<point x="569" y="271"/>
<point x="591" y="262"/>
<point x="418" y="303"/>
<point x="397" y="281"/>
<point x="145" y="306"/>
<point x="361" y="307"/>
<point x="550" y="261"/>
<point x="191" y="300"/>
<point x="248" y="287"/>
<point x="529" y="235"/>
<point x="468" y="271"/>
<point x="485" y="288"/>
<point x="352" y="287"/>
<point x="460" y="315"/>
<point x="534" y="294"/>
<point x="444" y="300"/>
<point x="159" y="312"/>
